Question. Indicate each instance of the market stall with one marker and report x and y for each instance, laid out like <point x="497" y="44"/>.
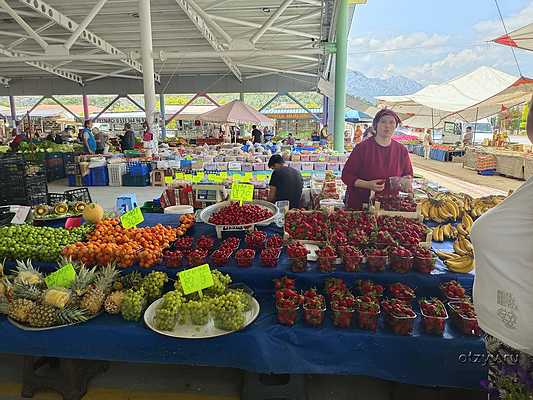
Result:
<point x="269" y="346"/>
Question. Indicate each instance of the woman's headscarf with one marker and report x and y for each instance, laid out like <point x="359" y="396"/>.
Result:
<point x="380" y="114"/>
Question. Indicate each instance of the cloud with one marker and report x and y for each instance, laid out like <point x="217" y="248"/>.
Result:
<point x="417" y="39"/>
<point x="490" y="29"/>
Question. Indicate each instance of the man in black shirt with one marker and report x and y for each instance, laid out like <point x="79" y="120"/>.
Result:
<point x="257" y="134"/>
<point x="286" y="183"/>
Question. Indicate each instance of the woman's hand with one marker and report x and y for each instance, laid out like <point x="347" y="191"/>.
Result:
<point x="377" y="185"/>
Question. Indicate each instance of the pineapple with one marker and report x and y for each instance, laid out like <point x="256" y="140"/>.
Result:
<point x="57" y="297"/>
<point x="42" y="316"/>
<point x="69" y="315"/>
<point x="132" y="280"/>
<point x="29" y="292"/>
<point x="27" y="274"/>
<point x="113" y="302"/>
<point x="20" y="309"/>
<point x="93" y="299"/>
<point x="84" y="278"/>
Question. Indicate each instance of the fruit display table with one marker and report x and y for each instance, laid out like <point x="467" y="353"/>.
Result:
<point x="267" y="347"/>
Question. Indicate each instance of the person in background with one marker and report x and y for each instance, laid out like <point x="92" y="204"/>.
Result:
<point x="127" y="140"/>
<point x="358" y="134"/>
<point x="324" y="134"/>
<point x="468" y="136"/>
<point x="373" y="161"/>
<point x="368" y="132"/>
<point x="268" y="134"/>
<point x="18" y="138"/>
<point x="101" y="140"/>
<point x="503" y="289"/>
<point x="256" y="134"/>
<point x="290" y="140"/>
<point x="87" y="137"/>
<point x="315" y="137"/>
<point x="427" y="142"/>
<point x="286" y="183"/>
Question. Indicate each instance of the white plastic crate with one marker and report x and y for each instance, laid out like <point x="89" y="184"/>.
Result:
<point x="221" y="166"/>
<point x="247" y="167"/>
<point x="115" y="173"/>
<point x="334" y="166"/>
<point x="260" y="166"/>
<point x="234" y="166"/>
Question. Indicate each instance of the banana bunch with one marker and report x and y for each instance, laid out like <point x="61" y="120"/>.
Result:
<point x="440" y="210"/>
<point x="484" y="204"/>
<point x="462" y="259"/>
<point x="444" y="232"/>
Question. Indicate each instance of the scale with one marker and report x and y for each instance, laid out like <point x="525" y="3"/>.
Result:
<point x="208" y="194"/>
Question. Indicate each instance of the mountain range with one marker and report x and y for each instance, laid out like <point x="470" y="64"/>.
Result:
<point x="367" y="88"/>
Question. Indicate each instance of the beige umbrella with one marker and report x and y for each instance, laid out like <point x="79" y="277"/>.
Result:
<point x="236" y="112"/>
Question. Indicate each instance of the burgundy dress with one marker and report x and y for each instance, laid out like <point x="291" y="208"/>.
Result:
<point x="370" y="161"/>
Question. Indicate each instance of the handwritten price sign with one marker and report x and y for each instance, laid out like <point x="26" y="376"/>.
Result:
<point x="132" y="218"/>
<point x="63" y="277"/>
<point x="196" y="279"/>
<point x="242" y="192"/>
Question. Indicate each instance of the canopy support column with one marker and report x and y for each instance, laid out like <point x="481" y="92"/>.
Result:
<point x="163" y="116"/>
<point x="341" y="59"/>
<point x="85" y="101"/>
<point x="145" y="18"/>
<point x="13" y="109"/>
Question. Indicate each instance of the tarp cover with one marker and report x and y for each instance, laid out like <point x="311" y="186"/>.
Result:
<point x="236" y="112"/>
<point x="521" y="38"/>
<point x="470" y="97"/>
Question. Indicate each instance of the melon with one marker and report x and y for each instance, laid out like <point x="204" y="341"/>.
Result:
<point x="93" y="213"/>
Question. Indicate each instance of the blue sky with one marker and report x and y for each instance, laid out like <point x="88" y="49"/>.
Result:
<point x="434" y="41"/>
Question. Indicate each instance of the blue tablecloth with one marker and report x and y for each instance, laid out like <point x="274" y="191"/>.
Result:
<point x="268" y="347"/>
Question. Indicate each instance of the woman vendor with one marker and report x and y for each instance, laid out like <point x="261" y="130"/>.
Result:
<point x="374" y="161"/>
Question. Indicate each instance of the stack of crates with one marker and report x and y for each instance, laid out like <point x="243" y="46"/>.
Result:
<point x="485" y="164"/>
<point x="55" y="166"/>
<point x="23" y="182"/>
<point x="137" y="174"/>
<point x="98" y="176"/>
<point x="116" y="171"/>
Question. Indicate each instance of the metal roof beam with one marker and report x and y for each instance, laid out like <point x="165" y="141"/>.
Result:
<point x="43" y="66"/>
<point x="201" y="25"/>
<point x="269" y="22"/>
<point x="84" y="24"/>
<point x="51" y="13"/>
<point x="281" y="71"/>
<point x="23" y="24"/>
<point x="42" y="28"/>
<point x="254" y="25"/>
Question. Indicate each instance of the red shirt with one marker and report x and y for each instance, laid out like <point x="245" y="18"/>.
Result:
<point x="370" y="161"/>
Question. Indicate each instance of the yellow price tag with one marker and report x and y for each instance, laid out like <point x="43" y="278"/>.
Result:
<point x="169" y="179"/>
<point x="201" y="175"/>
<point x="306" y="173"/>
<point x="250" y="174"/>
<point x="242" y="192"/>
<point x="132" y="218"/>
<point x="246" y="178"/>
<point x="224" y="174"/>
<point x="188" y="177"/>
<point x="196" y="279"/>
<point x="63" y="277"/>
<point x="212" y="177"/>
<point x="237" y="178"/>
<point x="180" y="176"/>
<point x="261" y="178"/>
<point x="218" y="179"/>
<point x="196" y="179"/>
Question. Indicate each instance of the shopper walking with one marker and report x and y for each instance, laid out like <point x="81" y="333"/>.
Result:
<point x="427" y="142"/>
<point x="503" y="290"/>
<point x="374" y="161"/>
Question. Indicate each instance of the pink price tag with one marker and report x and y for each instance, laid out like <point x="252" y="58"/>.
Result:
<point x="72" y="222"/>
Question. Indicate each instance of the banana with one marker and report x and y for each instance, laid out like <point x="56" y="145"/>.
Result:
<point x="444" y="213"/>
<point x="447" y="231"/>
<point x="469" y="222"/>
<point x="458" y="249"/>
<point x="441" y="234"/>
<point x="435" y="233"/>
<point x="443" y="255"/>
<point x="463" y="264"/>
<point x="462" y="230"/>
<point x="454" y="232"/>
<point x="466" y="245"/>
<point x="452" y="209"/>
<point x="424" y="208"/>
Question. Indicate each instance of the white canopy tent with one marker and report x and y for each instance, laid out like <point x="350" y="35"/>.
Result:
<point x="470" y="97"/>
<point x="521" y="38"/>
